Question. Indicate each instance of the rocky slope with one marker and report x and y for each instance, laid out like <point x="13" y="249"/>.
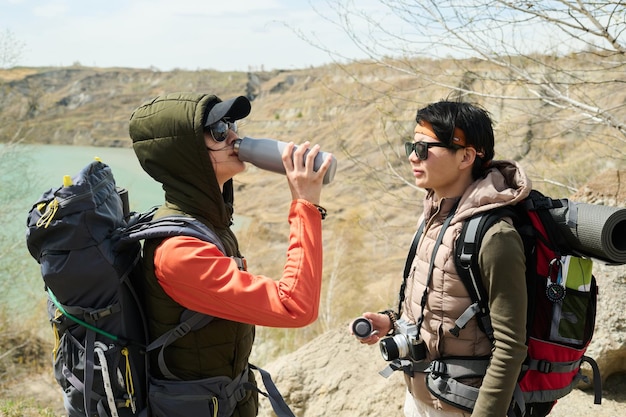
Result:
<point x="362" y="113"/>
<point x="334" y="375"/>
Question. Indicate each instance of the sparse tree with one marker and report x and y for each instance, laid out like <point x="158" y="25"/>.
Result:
<point x="10" y="49"/>
<point x="559" y="63"/>
<point x="21" y="350"/>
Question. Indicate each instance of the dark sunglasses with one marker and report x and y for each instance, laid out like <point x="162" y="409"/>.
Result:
<point x="421" y="148"/>
<point x="219" y="130"/>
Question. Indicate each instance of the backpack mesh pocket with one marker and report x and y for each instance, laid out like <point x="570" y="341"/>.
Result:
<point x="111" y="381"/>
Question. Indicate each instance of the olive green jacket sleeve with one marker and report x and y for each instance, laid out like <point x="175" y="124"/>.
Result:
<point x="502" y="263"/>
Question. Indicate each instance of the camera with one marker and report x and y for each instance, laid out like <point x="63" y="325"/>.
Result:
<point x="405" y="344"/>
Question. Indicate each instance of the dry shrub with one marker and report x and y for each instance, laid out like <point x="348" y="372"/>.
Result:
<point x="22" y="350"/>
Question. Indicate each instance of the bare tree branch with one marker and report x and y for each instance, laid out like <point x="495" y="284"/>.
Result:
<point x="557" y="51"/>
<point x="10" y="49"/>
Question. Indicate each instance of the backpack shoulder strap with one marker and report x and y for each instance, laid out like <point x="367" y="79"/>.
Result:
<point x="190" y="320"/>
<point x="466" y="260"/>
<point x="144" y="226"/>
<point x="411" y="257"/>
<point x="407" y="264"/>
<point x="413" y="250"/>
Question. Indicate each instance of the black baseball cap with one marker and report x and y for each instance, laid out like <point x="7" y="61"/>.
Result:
<point x="233" y="109"/>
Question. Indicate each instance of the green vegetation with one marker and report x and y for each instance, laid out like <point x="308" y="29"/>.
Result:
<point x="24" y="408"/>
<point x="23" y="352"/>
<point x="23" y="355"/>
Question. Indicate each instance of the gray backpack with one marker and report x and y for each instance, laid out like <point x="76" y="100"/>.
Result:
<point x="88" y="246"/>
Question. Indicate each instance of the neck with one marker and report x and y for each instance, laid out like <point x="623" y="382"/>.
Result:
<point x="455" y="190"/>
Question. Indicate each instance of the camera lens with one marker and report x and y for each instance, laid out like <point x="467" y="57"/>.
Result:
<point x="389" y="349"/>
<point x="395" y="347"/>
<point x="362" y="327"/>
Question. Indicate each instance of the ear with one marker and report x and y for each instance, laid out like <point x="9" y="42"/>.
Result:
<point x="468" y="158"/>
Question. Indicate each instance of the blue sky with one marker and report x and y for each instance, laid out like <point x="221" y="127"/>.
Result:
<point x="167" y="34"/>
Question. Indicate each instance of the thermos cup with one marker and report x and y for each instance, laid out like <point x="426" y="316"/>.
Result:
<point x="362" y="328"/>
<point x="267" y="154"/>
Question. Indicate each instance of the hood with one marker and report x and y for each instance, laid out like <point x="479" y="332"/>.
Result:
<point x="168" y="139"/>
<point x="504" y="183"/>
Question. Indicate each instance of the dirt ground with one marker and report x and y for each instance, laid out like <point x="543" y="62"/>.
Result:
<point x="580" y="403"/>
<point x="44" y="392"/>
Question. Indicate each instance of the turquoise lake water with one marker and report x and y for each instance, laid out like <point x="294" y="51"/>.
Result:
<point x="25" y="175"/>
<point x="53" y="162"/>
<point x="37" y="169"/>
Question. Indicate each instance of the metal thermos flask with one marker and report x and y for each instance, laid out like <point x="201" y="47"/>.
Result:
<point x="362" y="328"/>
<point x="267" y="154"/>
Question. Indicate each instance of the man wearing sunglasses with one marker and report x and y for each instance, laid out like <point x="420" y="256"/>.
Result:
<point x="185" y="141"/>
<point x="451" y="157"/>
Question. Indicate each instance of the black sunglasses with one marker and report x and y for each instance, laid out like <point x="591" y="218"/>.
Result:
<point x="219" y="130"/>
<point x="421" y="148"/>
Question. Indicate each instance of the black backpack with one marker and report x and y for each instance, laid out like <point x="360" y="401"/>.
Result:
<point x="88" y="246"/>
<point x="562" y="299"/>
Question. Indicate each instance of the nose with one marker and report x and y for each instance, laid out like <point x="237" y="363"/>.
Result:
<point x="232" y="136"/>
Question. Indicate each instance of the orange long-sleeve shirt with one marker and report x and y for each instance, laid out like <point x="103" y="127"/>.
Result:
<point x="201" y="278"/>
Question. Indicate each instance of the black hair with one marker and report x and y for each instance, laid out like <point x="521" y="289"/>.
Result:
<point x="472" y="119"/>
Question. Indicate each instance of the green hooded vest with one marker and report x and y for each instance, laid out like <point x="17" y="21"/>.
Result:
<point x="168" y="139"/>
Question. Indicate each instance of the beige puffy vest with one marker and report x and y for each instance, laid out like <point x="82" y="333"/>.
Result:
<point x="447" y="300"/>
<point x="505" y="183"/>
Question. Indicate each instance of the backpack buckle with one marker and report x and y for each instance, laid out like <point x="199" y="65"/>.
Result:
<point x="438" y="368"/>
<point x="181" y="330"/>
<point x="239" y="394"/>
<point x="544" y="366"/>
<point x="104" y="312"/>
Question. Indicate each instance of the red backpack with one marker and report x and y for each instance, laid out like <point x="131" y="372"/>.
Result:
<point x="562" y="298"/>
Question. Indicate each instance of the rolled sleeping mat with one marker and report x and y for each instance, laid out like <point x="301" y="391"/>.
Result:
<point x="594" y="230"/>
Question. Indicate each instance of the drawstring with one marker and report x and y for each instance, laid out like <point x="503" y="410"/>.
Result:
<point x="48" y="215"/>
<point x="99" y="349"/>
<point x="130" y="386"/>
<point x="57" y="337"/>
<point x="215" y="406"/>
